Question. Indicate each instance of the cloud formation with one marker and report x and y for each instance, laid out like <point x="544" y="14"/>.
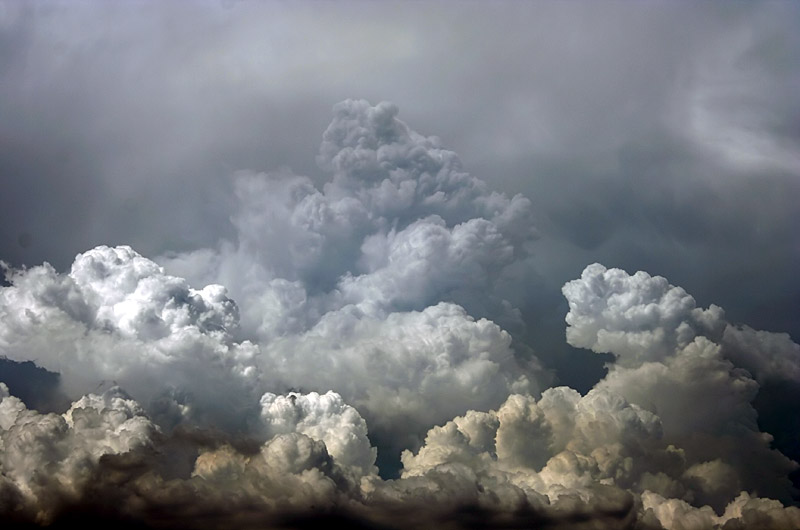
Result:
<point x="116" y="317"/>
<point x="642" y="318"/>
<point x="370" y="315"/>
<point x="47" y="460"/>
<point x="374" y="278"/>
<point x="671" y="355"/>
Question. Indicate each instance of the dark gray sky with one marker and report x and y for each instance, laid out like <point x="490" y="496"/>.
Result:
<point x="659" y="136"/>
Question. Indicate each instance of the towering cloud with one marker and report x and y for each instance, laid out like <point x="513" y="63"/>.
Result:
<point x="399" y="226"/>
<point x="673" y="358"/>
<point x="369" y="316"/>
<point x="372" y="279"/>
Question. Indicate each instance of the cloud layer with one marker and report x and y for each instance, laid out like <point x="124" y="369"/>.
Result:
<point x="369" y="317"/>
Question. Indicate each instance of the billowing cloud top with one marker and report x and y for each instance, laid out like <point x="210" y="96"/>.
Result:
<point x="362" y="318"/>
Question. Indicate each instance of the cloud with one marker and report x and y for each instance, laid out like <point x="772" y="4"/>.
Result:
<point x="742" y="512"/>
<point x="567" y="454"/>
<point x="351" y="277"/>
<point x="116" y="316"/>
<point x="726" y="428"/>
<point x="642" y="318"/>
<point x="397" y="205"/>
<point x="47" y="460"/>
<point x="105" y="452"/>
<point x="672" y="356"/>
<point x="346" y="279"/>
<point x="368" y="315"/>
<point x="563" y="460"/>
<point x="768" y="356"/>
<point x="634" y="316"/>
<point x="405" y="373"/>
<point x="322" y="417"/>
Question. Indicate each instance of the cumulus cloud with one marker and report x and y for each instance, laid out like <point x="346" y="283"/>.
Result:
<point x="326" y="418"/>
<point x="104" y="452"/>
<point x="565" y="455"/>
<point x="407" y="372"/>
<point x="768" y="356"/>
<point x="643" y="318"/>
<point x="638" y="318"/>
<point x="398" y="226"/>
<point x="563" y="460"/>
<point x="673" y="358"/>
<point x="367" y="315"/>
<point x="724" y="426"/>
<point x="742" y="512"/>
<point x="373" y="277"/>
<point x="47" y="460"/>
<point x="116" y="316"/>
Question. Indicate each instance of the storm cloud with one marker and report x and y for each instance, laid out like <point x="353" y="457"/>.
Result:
<point x="212" y="319"/>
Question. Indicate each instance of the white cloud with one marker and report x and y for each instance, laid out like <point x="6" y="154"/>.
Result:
<point x="118" y="317"/>
<point x="48" y="459"/>
<point x="637" y="318"/>
<point x="349" y="324"/>
<point x="691" y="368"/>
<point x="322" y="417"/>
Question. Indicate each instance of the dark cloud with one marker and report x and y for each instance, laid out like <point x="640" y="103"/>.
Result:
<point x="294" y="314"/>
<point x="38" y="388"/>
<point x="359" y="315"/>
<point x="676" y="121"/>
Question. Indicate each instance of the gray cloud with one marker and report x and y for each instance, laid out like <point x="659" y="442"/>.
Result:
<point x="659" y="138"/>
<point x="348" y="279"/>
<point x="672" y="355"/>
<point x="386" y="285"/>
<point x="668" y="438"/>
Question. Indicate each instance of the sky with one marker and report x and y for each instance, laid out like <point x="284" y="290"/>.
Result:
<point x="477" y="264"/>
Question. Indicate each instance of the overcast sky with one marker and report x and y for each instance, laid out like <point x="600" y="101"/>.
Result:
<point x="659" y="137"/>
<point x="653" y="136"/>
